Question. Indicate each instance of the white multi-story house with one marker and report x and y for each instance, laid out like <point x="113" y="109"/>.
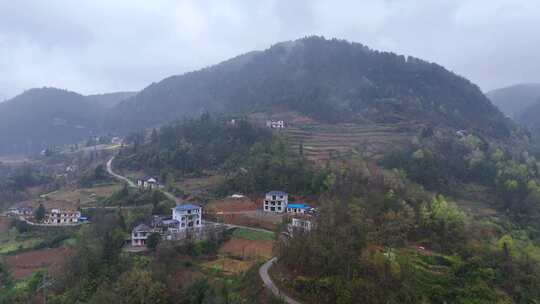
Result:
<point x="187" y="215"/>
<point x="59" y="216"/>
<point x="276" y="201"/>
<point x="275" y="124"/>
<point x="140" y="234"/>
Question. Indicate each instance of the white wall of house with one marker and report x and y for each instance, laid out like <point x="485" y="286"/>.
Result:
<point x="138" y="238"/>
<point x="190" y="218"/>
<point x="276" y="202"/>
<point x="301" y="223"/>
<point x="61" y="216"/>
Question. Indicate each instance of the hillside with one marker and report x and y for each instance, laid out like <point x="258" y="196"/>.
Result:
<point x="331" y="81"/>
<point x="109" y="100"/>
<point x="42" y="117"/>
<point x="513" y="100"/>
<point x="530" y="118"/>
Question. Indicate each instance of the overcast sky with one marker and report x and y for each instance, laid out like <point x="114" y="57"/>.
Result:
<point x="94" y="46"/>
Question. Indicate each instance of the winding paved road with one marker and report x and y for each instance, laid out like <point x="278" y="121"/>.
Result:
<point x="263" y="272"/>
<point x="118" y="176"/>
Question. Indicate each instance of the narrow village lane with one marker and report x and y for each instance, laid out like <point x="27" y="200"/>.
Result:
<point x="263" y="272"/>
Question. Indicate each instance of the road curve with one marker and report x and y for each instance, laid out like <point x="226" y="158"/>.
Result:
<point x="118" y="176"/>
<point x="263" y="272"/>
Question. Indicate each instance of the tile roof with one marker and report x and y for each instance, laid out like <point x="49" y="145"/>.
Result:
<point x="276" y="193"/>
<point x="142" y="227"/>
<point x="185" y="207"/>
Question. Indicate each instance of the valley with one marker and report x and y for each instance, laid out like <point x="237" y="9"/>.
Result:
<point x="317" y="168"/>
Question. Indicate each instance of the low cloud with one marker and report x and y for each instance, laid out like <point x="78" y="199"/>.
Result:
<point x="101" y="46"/>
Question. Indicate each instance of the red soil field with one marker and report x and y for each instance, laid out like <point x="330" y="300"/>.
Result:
<point x="4" y="224"/>
<point x="233" y="205"/>
<point x="24" y="264"/>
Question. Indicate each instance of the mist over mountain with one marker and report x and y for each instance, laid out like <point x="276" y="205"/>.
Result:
<point x="109" y="100"/>
<point x="513" y="100"/>
<point x="330" y="81"/>
<point x="42" y="117"/>
<point x="327" y="80"/>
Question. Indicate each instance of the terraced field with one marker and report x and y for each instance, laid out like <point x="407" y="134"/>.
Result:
<point x="322" y="141"/>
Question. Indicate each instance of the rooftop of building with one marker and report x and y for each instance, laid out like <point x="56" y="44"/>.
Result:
<point x="185" y="207"/>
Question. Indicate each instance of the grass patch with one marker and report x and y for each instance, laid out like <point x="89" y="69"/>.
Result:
<point x="14" y="246"/>
<point x="253" y="235"/>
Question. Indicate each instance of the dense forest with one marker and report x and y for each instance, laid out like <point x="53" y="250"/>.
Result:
<point x="328" y="80"/>
<point x="389" y="241"/>
<point x="446" y="163"/>
<point x="251" y="157"/>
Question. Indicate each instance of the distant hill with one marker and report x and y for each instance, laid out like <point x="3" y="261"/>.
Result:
<point x="328" y="80"/>
<point x="513" y="100"/>
<point x="110" y="100"/>
<point x="42" y="117"/>
<point x="530" y="118"/>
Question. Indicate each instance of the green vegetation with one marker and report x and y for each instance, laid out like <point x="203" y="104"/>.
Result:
<point x="445" y="162"/>
<point x="253" y="235"/>
<point x="328" y="80"/>
<point x="22" y="237"/>
<point x="390" y="242"/>
<point x="190" y="147"/>
<point x="39" y="214"/>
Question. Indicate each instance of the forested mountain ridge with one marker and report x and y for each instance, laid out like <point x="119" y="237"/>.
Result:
<point x="514" y="100"/>
<point x="42" y="117"/>
<point x="328" y="80"/>
<point x="530" y="118"/>
<point x="110" y="100"/>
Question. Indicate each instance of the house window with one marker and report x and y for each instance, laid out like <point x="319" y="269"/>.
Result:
<point x="279" y="208"/>
<point x="183" y="225"/>
<point x="197" y="222"/>
<point x="265" y="207"/>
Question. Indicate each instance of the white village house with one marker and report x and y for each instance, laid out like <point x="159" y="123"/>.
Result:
<point x="59" y="216"/>
<point x="187" y="215"/>
<point x="276" y="201"/>
<point x="148" y="183"/>
<point x="275" y="124"/>
<point x="298" y="208"/>
<point x="302" y="223"/>
<point x="139" y="235"/>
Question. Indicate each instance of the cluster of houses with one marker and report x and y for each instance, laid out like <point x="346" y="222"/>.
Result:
<point x="301" y="214"/>
<point x="185" y="221"/>
<point x="56" y="214"/>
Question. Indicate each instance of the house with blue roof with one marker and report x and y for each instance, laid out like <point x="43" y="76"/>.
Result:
<point x="276" y="201"/>
<point x="298" y="208"/>
<point x="188" y="215"/>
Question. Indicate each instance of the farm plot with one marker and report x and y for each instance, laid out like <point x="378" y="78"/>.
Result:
<point x="5" y="224"/>
<point x="320" y="141"/>
<point x="84" y="195"/>
<point x="24" y="264"/>
<point x="232" y="205"/>
<point x="247" y="249"/>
